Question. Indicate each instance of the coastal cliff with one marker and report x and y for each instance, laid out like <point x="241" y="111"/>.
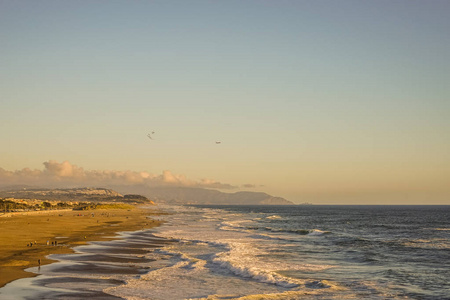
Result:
<point x="201" y="196"/>
<point x="73" y="195"/>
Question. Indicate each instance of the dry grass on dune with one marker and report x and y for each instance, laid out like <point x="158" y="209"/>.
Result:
<point x="68" y="228"/>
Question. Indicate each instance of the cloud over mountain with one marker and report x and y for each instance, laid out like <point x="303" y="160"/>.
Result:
<point x="64" y="174"/>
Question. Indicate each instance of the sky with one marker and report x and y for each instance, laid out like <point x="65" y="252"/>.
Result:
<point x="328" y="102"/>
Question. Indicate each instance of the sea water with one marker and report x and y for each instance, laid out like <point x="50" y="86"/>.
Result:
<point x="298" y="252"/>
<point x="260" y="252"/>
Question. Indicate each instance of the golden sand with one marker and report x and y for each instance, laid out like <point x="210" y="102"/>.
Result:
<point x="68" y="228"/>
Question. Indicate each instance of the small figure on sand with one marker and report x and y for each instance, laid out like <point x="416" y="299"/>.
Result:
<point x="39" y="262"/>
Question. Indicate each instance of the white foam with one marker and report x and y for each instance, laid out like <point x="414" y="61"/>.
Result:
<point x="216" y="254"/>
<point x="428" y="244"/>
<point x="274" y="217"/>
<point x="318" y="232"/>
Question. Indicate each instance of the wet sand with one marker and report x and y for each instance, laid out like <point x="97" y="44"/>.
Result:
<point x="93" y="268"/>
<point x="23" y="237"/>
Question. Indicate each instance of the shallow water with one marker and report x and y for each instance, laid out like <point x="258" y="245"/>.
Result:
<point x="93" y="268"/>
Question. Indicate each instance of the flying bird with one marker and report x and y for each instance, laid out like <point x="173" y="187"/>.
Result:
<point x="218" y="142"/>
<point x="150" y="135"/>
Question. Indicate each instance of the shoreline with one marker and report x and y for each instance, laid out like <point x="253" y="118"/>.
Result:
<point x="58" y="232"/>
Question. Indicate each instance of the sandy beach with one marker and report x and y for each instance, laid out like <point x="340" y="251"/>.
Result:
<point x="27" y="239"/>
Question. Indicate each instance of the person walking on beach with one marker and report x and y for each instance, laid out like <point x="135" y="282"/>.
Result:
<point x="39" y="262"/>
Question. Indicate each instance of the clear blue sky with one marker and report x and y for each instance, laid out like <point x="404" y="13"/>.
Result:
<point x="319" y="101"/>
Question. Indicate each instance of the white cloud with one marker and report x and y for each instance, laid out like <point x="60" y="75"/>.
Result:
<point x="56" y="174"/>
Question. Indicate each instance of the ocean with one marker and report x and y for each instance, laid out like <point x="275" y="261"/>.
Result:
<point x="263" y="252"/>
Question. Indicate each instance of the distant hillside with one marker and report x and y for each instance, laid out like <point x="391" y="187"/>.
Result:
<point x="73" y="195"/>
<point x="170" y="195"/>
<point x="184" y="195"/>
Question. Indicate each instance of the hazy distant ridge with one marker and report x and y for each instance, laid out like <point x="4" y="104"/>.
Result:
<point x="184" y="195"/>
